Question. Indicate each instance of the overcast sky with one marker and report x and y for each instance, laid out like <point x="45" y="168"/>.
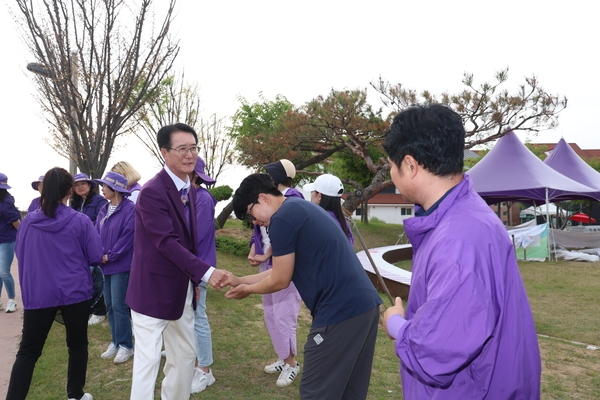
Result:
<point x="304" y="49"/>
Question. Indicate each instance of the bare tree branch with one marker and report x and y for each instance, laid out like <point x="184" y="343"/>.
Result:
<point x="120" y="64"/>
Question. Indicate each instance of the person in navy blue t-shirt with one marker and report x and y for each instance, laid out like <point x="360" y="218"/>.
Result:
<point x="311" y="251"/>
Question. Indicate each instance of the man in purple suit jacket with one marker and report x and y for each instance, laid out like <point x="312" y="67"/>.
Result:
<point x="165" y="269"/>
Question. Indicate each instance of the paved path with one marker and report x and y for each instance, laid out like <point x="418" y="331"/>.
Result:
<point x="10" y="332"/>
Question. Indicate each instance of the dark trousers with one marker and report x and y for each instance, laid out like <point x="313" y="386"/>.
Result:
<point x="36" y="325"/>
<point x="100" y="307"/>
<point x="338" y="359"/>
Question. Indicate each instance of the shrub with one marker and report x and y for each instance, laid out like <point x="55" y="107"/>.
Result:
<point x="236" y="247"/>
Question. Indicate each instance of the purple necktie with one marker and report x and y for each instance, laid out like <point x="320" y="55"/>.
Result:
<point x="186" y="206"/>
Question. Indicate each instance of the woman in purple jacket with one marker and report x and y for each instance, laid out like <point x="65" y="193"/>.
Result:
<point x="37" y="186"/>
<point x="55" y="247"/>
<point x="87" y="201"/>
<point x="115" y="224"/>
<point x="85" y="198"/>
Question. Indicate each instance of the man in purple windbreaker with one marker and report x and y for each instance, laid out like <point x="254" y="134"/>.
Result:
<point x="468" y="330"/>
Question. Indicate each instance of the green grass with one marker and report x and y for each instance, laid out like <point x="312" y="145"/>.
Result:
<point x="565" y="298"/>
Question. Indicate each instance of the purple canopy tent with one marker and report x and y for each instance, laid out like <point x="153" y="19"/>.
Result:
<point x="564" y="160"/>
<point x="511" y="172"/>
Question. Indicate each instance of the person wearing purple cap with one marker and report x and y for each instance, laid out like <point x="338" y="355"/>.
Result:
<point x="115" y="224"/>
<point x="35" y="203"/>
<point x="86" y="200"/>
<point x="133" y="177"/>
<point x="467" y="331"/>
<point x="280" y="308"/>
<point x="55" y="247"/>
<point x="207" y="252"/>
<point x="85" y="197"/>
<point x="10" y="218"/>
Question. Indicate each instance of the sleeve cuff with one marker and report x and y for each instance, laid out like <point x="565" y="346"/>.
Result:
<point x="207" y="275"/>
<point x="394" y="323"/>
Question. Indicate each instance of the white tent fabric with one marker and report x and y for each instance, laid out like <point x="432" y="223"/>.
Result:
<point x="540" y="210"/>
<point x="528" y="236"/>
<point x="533" y="222"/>
<point x="575" y="240"/>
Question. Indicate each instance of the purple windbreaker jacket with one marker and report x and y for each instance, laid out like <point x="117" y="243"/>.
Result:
<point x="205" y="226"/>
<point x="54" y="256"/>
<point x="116" y="233"/>
<point x="469" y="331"/>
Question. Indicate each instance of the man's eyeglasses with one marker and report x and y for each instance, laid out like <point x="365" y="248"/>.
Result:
<point x="249" y="215"/>
<point x="182" y="151"/>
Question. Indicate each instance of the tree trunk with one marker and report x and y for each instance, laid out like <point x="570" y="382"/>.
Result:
<point x="379" y="182"/>
<point x="364" y="212"/>
<point x="224" y="215"/>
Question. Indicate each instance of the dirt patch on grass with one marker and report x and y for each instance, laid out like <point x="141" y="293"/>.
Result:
<point x="237" y="233"/>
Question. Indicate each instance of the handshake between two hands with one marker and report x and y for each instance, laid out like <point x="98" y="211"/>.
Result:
<point x="221" y="278"/>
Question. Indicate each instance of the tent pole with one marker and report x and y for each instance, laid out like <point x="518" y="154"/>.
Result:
<point x="549" y="225"/>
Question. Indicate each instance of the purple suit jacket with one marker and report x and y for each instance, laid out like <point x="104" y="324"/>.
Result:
<point x="164" y="251"/>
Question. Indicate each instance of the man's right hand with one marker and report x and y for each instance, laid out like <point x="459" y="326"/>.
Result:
<point x="231" y="280"/>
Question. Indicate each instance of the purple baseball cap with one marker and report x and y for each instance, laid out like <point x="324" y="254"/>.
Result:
<point x="199" y="170"/>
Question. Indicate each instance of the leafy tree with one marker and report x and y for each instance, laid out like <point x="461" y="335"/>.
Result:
<point x="593" y="162"/>
<point x="488" y="112"/>
<point x="345" y="127"/>
<point x="98" y="63"/>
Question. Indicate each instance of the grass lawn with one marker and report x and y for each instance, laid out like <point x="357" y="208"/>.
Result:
<point x="565" y="298"/>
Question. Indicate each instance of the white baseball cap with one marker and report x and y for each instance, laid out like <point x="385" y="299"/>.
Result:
<point x="326" y="184"/>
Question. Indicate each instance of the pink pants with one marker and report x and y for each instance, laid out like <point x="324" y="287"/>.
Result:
<point x="281" y="317"/>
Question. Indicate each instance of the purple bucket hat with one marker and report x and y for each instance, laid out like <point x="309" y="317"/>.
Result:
<point x="83" y="178"/>
<point x="199" y="170"/>
<point x="115" y="181"/>
<point x="35" y="184"/>
<point x="4" y="181"/>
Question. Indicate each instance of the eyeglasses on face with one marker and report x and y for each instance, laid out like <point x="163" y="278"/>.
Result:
<point x="249" y="215"/>
<point x="182" y="151"/>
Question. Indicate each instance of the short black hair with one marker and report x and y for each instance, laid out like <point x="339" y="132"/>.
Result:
<point x="434" y="135"/>
<point x="248" y="192"/>
<point x="163" y="137"/>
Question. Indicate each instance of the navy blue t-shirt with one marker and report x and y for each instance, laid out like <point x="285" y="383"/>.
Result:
<point x="328" y="275"/>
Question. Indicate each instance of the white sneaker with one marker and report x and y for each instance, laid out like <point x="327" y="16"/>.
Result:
<point x="110" y="352"/>
<point x="123" y="354"/>
<point x="274" y="368"/>
<point x="287" y="376"/>
<point x="86" y="396"/>
<point x="201" y="380"/>
<point x="11" y="306"/>
<point x="96" y="319"/>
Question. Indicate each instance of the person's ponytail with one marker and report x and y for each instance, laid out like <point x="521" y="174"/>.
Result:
<point x="57" y="183"/>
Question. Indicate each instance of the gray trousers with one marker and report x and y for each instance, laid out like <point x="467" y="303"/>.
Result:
<point x="338" y="359"/>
